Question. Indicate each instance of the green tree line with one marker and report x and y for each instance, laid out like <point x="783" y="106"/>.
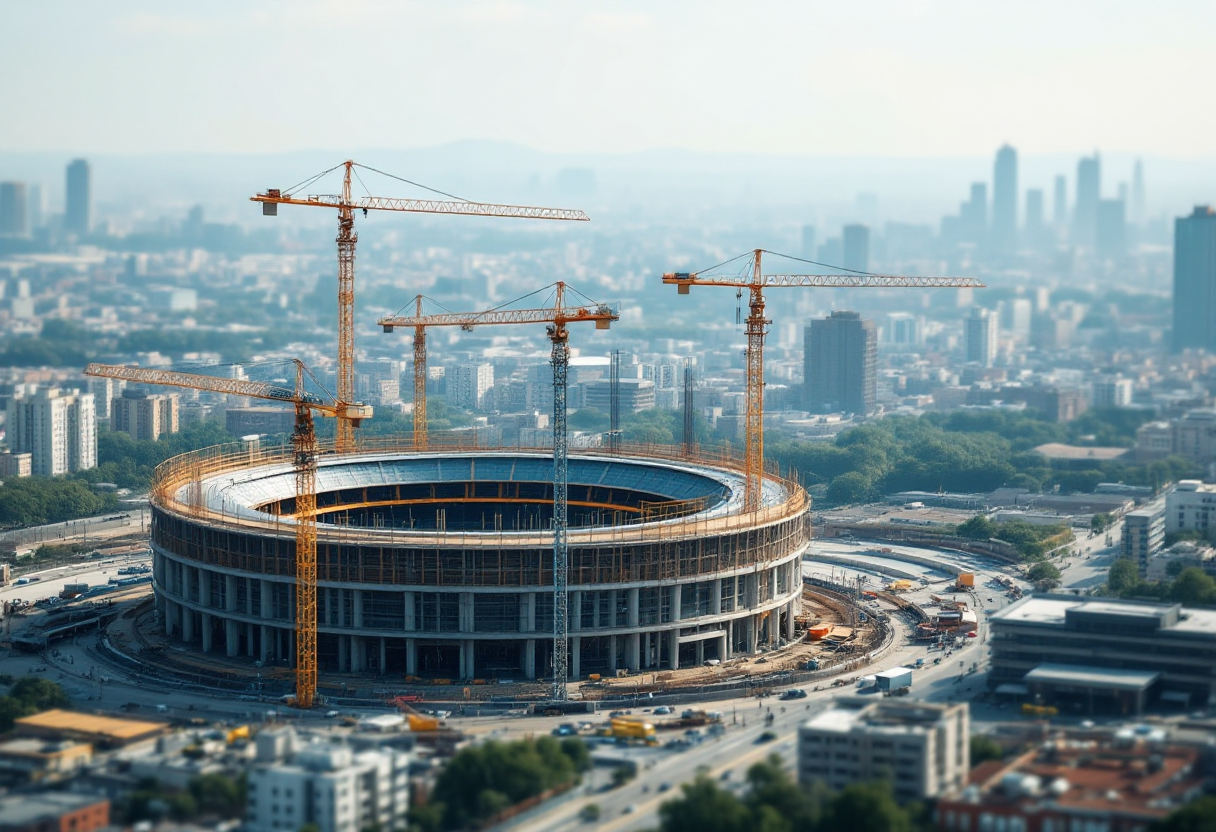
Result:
<point x="967" y="451"/>
<point x="483" y="780"/>
<point x="1191" y="586"/>
<point x="27" y="696"/>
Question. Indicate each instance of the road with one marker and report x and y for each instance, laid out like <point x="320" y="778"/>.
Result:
<point x="114" y="524"/>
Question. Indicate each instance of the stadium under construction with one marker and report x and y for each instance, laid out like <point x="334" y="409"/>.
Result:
<point x="439" y="564"/>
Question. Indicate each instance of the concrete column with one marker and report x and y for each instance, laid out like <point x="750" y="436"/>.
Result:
<point x="232" y="638"/>
<point x="205" y="620"/>
<point x="264" y="651"/>
<point x="576" y="611"/>
<point x="530" y="659"/>
<point x="613" y="646"/>
<point x="341" y="607"/>
<point x="357" y="613"/>
<point x="612" y="607"/>
<point x="410" y="610"/>
<point x="411" y="656"/>
<point x="204" y="587"/>
<point x="673" y="647"/>
<point x="648" y="654"/>
<point x="249" y="610"/>
<point x="230" y="593"/>
<point x="358" y="654"/>
<point x="753" y="633"/>
<point x="721" y="648"/>
<point x="465" y="612"/>
<point x="730" y="641"/>
<point x="633" y="651"/>
<point x="701" y="652"/>
<point x="171" y="617"/>
<point x="466" y="659"/>
<point x="267" y="610"/>
<point x="343" y="654"/>
<point x="531" y="628"/>
<point x="187" y="624"/>
<point x="249" y="640"/>
<point x="595" y="611"/>
<point x="715" y="597"/>
<point x="576" y="644"/>
<point x="772" y="584"/>
<point x="676" y="598"/>
<point x="383" y="654"/>
<point x="631" y="607"/>
<point x="789" y="621"/>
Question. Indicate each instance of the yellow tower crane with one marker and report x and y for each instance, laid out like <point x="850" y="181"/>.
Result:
<point x="346" y="205"/>
<point x="304" y="446"/>
<point x="755" y="282"/>
<point x="557" y="316"/>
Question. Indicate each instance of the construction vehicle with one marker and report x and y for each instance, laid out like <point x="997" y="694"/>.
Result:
<point x="346" y="205"/>
<point x="1030" y="709"/>
<point x="240" y="732"/>
<point x="632" y="729"/>
<point x="304" y="442"/>
<point x="965" y="580"/>
<point x="894" y="682"/>
<point x="557" y="316"/>
<point x="899" y="586"/>
<point x="755" y="282"/>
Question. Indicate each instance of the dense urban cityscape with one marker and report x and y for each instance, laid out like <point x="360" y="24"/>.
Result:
<point x="309" y="527"/>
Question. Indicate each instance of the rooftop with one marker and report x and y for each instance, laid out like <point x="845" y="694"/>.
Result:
<point x="25" y="810"/>
<point x="113" y="729"/>
<point x="1053" y="610"/>
<point x="1092" y="677"/>
<point x="856" y="714"/>
<point x="1056" y="450"/>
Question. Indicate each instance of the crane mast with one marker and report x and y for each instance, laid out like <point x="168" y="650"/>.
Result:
<point x="556" y="317"/>
<point x="304" y="457"/>
<point x="347" y="239"/>
<point x="757" y="327"/>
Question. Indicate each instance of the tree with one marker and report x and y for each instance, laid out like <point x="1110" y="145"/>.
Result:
<point x="1123" y="576"/>
<point x="1193" y="586"/>
<point x="985" y="748"/>
<point x="1044" y="575"/>
<point x="1196" y="816"/>
<point x="704" y="808"/>
<point x="978" y="527"/>
<point x="867" y="807"/>
<point x="219" y="795"/>
<point x="852" y="487"/>
<point x="1100" y="522"/>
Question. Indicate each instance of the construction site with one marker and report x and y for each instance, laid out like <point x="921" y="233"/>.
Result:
<point x="420" y="558"/>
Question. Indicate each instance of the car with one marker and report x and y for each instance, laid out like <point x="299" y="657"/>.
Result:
<point x="332" y="714"/>
<point x="629" y="810"/>
<point x="767" y="736"/>
<point x="662" y="709"/>
<point x="664" y="787"/>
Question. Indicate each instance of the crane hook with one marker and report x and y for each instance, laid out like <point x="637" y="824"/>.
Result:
<point x="365" y="212"/>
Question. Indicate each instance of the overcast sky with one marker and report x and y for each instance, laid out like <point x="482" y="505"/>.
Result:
<point x="864" y="77"/>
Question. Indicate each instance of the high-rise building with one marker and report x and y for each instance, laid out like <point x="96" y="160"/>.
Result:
<point x="1005" y="201"/>
<point x="468" y="383"/>
<point x="57" y="429"/>
<point x="840" y="365"/>
<point x="77" y="217"/>
<point x="904" y="329"/>
<point x="143" y="416"/>
<point x="1137" y="198"/>
<point x="982" y="337"/>
<point x="1059" y="210"/>
<point x="104" y="391"/>
<point x="1035" y="227"/>
<point x="13" y="204"/>
<point x="808" y="242"/>
<point x="973" y="218"/>
<point x="1111" y="392"/>
<point x="1089" y="191"/>
<point x="1110" y="238"/>
<point x="856" y="241"/>
<point x="1195" y="280"/>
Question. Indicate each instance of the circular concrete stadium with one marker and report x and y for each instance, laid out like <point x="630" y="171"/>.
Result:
<point x="440" y="564"/>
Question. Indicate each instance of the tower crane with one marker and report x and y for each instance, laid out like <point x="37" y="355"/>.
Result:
<point x="304" y="457"/>
<point x="346" y="204"/>
<point x="755" y="282"/>
<point x="557" y="317"/>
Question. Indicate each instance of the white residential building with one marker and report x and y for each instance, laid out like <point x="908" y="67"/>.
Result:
<point x="57" y="429"/>
<point x="467" y="384"/>
<point x="983" y="333"/>
<point x="1190" y="507"/>
<point x="327" y="784"/>
<point x="1111" y="392"/>
<point x="921" y="748"/>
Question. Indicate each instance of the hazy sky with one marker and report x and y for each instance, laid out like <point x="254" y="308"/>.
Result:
<point x="871" y="77"/>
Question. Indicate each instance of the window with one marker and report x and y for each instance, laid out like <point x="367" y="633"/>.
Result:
<point x="986" y="822"/>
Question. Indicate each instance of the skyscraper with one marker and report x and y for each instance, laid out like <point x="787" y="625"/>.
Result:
<point x="1110" y="239"/>
<point x="58" y="429"/>
<point x="13" y="221"/>
<point x="143" y="416"/>
<point x="1059" y="213"/>
<point x="1005" y="201"/>
<point x="1195" y="280"/>
<point x="840" y="365"/>
<point x="982" y="337"/>
<point x="856" y="248"/>
<point x="77" y="215"/>
<point x="1089" y="191"/>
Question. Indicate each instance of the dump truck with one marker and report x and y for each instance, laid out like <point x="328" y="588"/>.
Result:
<point x="966" y="580"/>
<point x="894" y="682"/>
<point x="625" y="729"/>
<point x="902" y="585"/>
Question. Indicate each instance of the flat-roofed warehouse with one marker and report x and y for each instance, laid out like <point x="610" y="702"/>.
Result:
<point x="100" y="731"/>
<point x="1093" y="655"/>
